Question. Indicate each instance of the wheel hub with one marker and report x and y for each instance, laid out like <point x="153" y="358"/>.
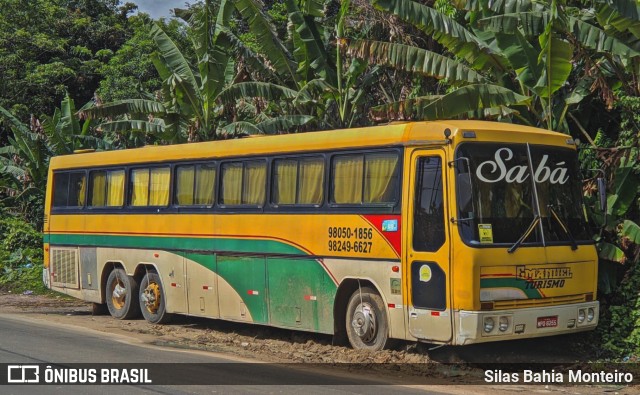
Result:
<point x="118" y="295"/>
<point x="364" y="323"/>
<point x="151" y="297"/>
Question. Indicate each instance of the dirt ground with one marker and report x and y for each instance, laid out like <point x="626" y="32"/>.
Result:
<point x="453" y="365"/>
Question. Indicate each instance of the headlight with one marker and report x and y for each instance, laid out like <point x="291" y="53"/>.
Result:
<point x="581" y="316"/>
<point x="503" y="324"/>
<point x="488" y="324"/>
<point x="591" y="314"/>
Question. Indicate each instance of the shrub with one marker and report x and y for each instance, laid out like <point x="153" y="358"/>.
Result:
<point x="21" y="255"/>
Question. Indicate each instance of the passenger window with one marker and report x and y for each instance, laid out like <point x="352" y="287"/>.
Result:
<point x="365" y="178"/>
<point x="60" y="189"/>
<point x="107" y="188"/>
<point x="298" y="181"/>
<point x="150" y="186"/>
<point x="380" y="178"/>
<point x="244" y="183"/>
<point x="311" y="181"/>
<point x="69" y="189"/>
<point x="254" y="183"/>
<point x="195" y="185"/>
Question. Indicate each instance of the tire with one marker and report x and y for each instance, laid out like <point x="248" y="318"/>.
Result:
<point x="366" y="322"/>
<point x="99" y="309"/>
<point x="121" y="295"/>
<point x="152" y="299"/>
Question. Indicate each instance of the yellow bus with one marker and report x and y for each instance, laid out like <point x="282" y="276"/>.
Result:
<point x="451" y="232"/>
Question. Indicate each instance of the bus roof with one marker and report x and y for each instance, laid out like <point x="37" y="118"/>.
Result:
<point x="409" y="133"/>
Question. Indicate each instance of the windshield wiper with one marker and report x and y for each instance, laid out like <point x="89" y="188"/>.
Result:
<point x="537" y="219"/>
<point x="565" y="228"/>
<point x="532" y="226"/>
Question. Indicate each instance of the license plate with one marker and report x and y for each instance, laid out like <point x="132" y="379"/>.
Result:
<point x="548" y="322"/>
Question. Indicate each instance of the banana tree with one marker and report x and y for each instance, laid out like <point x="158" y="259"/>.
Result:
<point x="620" y="235"/>
<point x="621" y="19"/>
<point x="523" y="52"/>
<point x="312" y="61"/>
<point x="24" y="162"/>
<point x="193" y="100"/>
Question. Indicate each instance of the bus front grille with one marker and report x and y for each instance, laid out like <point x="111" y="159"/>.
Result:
<point x="64" y="267"/>
<point x="522" y="303"/>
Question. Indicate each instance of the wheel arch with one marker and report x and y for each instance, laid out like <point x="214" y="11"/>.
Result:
<point x="142" y="268"/>
<point x="347" y="287"/>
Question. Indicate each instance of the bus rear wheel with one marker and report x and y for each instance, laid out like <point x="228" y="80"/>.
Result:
<point x="366" y="321"/>
<point x="152" y="299"/>
<point x="121" y="295"/>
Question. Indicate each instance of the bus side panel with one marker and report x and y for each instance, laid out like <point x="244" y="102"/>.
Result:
<point x="301" y="294"/>
<point x="247" y="278"/>
<point x="202" y="285"/>
<point x="89" y="278"/>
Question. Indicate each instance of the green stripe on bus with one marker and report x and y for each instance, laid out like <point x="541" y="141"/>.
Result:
<point x="295" y="293"/>
<point x="178" y="243"/>
<point x="510" y="283"/>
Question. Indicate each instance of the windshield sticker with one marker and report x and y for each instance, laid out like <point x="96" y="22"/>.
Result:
<point x="496" y="170"/>
<point x="425" y="273"/>
<point x="486" y="233"/>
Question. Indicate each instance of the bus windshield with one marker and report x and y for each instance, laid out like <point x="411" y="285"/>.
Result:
<point x="498" y="202"/>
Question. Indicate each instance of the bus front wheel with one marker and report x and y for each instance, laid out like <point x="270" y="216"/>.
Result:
<point x="367" y="325"/>
<point x="121" y="295"/>
<point x="152" y="299"/>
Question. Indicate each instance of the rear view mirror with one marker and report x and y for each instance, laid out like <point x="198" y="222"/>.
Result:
<point x="464" y="189"/>
<point x="464" y="192"/>
<point x="601" y="184"/>
<point x="602" y="194"/>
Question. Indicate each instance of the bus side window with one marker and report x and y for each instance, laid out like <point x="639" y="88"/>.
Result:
<point x="381" y="178"/>
<point x="428" y="210"/>
<point x="69" y="189"/>
<point x="347" y="174"/>
<point x="150" y="186"/>
<point x="370" y="178"/>
<point x="243" y="183"/>
<point x="60" y="189"/>
<point x="254" y="183"/>
<point x="195" y="185"/>
<point x="77" y="189"/>
<point x="298" y="181"/>
<point x="310" y="181"/>
<point x="185" y="185"/>
<point x="106" y="188"/>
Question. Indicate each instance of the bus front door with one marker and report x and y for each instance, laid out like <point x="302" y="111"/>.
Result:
<point x="428" y="269"/>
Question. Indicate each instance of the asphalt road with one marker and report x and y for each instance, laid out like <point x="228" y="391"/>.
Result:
<point x="38" y="342"/>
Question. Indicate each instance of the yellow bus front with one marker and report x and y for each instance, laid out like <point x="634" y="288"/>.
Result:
<point x="499" y="246"/>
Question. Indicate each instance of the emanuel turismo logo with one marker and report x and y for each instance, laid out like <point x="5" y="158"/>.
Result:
<point x="17" y="374"/>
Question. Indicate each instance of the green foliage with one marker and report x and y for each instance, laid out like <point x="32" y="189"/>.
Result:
<point x="20" y="256"/>
<point x="619" y="235"/>
<point x="129" y="71"/>
<point x="24" y="161"/>
<point x="553" y="52"/>
<point x="50" y="47"/>
<point x="619" y="326"/>
<point x="204" y="97"/>
<point x="279" y="17"/>
<point x="272" y="47"/>
<point x="619" y="243"/>
<point x="464" y="99"/>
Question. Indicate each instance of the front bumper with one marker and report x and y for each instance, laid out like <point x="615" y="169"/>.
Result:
<point x="523" y="323"/>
